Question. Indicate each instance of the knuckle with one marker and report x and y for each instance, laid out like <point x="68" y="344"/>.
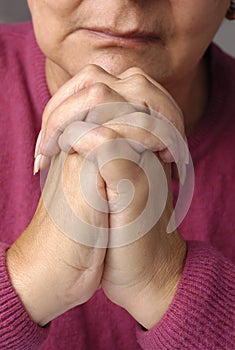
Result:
<point x="134" y="70"/>
<point x="98" y="90"/>
<point x="138" y="81"/>
<point x="91" y="69"/>
<point x="138" y="70"/>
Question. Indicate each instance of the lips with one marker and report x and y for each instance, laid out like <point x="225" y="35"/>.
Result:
<point x="118" y="38"/>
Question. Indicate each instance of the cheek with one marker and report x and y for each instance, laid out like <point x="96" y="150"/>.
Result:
<point x="199" y="17"/>
<point x="194" y="25"/>
<point x="63" y="7"/>
<point x="60" y="8"/>
<point x="52" y="21"/>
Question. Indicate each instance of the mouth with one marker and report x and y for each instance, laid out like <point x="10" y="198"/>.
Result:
<point x="128" y="39"/>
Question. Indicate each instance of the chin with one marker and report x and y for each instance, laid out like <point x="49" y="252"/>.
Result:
<point x="115" y="64"/>
<point x="116" y="61"/>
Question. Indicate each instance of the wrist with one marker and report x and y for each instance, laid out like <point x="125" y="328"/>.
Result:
<point x="152" y="302"/>
<point x="28" y="288"/>
<point x="33" y="279"/>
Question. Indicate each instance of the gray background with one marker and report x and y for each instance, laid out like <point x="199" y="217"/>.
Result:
<point x="16" y="10"/>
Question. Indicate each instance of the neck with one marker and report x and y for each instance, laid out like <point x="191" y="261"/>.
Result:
<point x="55" y="76"/>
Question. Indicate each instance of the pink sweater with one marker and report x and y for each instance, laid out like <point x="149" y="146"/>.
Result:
<point x="202" y="313"/>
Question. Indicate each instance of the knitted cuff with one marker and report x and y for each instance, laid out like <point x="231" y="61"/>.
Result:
<point x="201" y="315"/>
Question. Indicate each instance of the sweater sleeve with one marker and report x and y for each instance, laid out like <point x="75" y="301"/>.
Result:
<point x="202" y="313"/>
<point x="17" y="330"/>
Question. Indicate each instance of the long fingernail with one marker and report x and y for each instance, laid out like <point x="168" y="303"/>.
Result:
<point x="36" y="153"/>
<point x="182" y="171"/>
<point x="37" y="162"/>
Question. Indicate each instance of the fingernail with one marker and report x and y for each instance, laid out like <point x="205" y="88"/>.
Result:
<point x="36" y="152"/>
<point x="183" y="150"/>
<point x="182" y="171"/>
<point x="172" y="149"/>
<point x="37" y="162"/>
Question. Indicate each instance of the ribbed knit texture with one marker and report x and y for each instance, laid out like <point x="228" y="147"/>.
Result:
<point x="17" y="331"/>
<point x="202" y="314"/>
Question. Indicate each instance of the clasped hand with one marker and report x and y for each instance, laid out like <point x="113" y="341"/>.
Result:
<point x="111" y="129"/>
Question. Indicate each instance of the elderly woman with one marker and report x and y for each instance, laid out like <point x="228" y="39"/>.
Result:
<point x="158" y="291"/>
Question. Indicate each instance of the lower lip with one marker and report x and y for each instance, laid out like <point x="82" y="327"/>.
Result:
<point x="121" y="41"/>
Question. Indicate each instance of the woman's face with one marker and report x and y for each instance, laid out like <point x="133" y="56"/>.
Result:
<point x="166" y="38"/>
